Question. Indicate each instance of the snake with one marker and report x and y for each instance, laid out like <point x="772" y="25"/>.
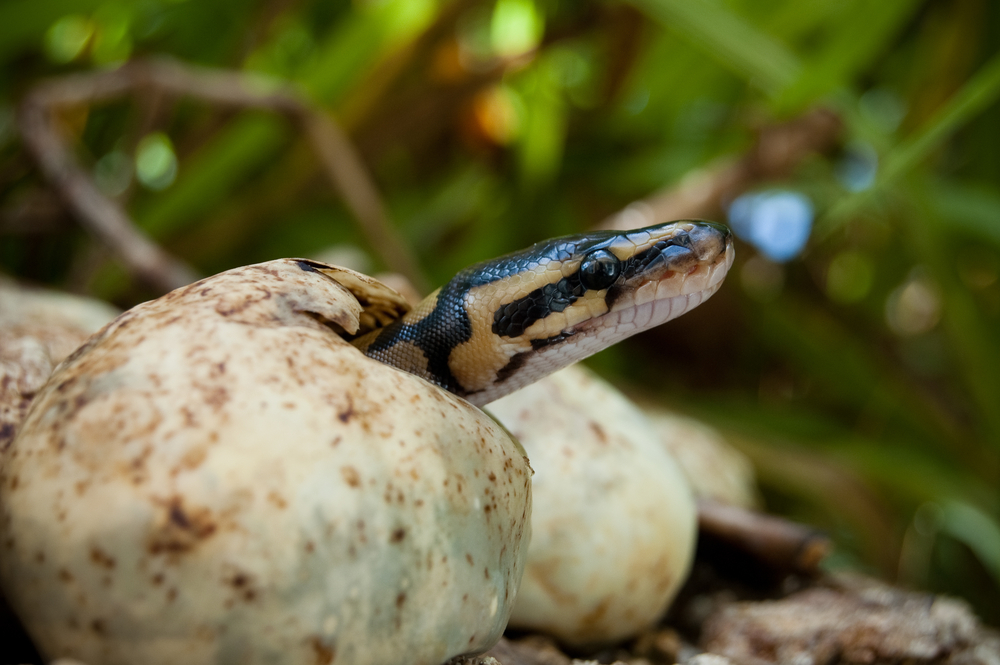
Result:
<point x="504" y="323"/>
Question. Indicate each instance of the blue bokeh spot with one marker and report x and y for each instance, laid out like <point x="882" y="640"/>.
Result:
<point x="777" y="222"/>
<point x="858" y="167"/>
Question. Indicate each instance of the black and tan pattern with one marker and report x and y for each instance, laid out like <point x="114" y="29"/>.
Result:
<point x="501" y="324"/>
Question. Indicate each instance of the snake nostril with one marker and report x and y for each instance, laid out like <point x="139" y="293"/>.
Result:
<point x="708" y="240"/>
<point x="680" y="239"/>
<point x="719" y="230"/>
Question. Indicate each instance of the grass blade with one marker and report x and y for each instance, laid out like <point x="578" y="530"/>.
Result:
<point x="729" y="39"/>
<point x="976" y="95"/>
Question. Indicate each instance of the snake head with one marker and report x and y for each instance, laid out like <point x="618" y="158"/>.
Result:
<point x="504" y="323"/>
<point x="621" y="281"/>
<point x="567" y="298"/>
<point x="678" y="264"/>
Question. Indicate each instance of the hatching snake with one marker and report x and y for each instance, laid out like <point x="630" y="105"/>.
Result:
<point x="504" y="323"/>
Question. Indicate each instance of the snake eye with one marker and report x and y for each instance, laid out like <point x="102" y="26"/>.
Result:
<point x="599" y="269"/>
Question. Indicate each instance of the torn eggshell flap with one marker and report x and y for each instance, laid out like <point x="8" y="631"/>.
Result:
<point x="219" y="477"/>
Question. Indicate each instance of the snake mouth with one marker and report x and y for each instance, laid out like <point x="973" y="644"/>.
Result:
<point x="682" y="275"/>
<point x="675" y="293"/>
<point x="666" y="271"/>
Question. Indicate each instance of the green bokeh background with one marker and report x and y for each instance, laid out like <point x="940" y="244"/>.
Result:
<point x="862" y="377"/>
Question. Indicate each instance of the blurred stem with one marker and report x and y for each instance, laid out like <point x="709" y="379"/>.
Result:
<point x="341" y="164"/>
<point x="784" y="545"/>
<point x="849" y="476"/>
<point x="778" y="150"/>
<point x="102" y="216"/>
<point x="346" y="173"/>
<point x="348" y="54"/>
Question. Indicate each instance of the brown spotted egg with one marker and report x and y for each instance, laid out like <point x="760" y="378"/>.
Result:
<point x="614" y="523"/>
<point x="218" y="477"/>
<point x="38" y="328"/>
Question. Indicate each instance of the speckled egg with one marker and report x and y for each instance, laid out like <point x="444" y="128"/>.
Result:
<point x="614" y="522"/>
<point x="715" y="469"/>
<point x="218" y="477"/>
<point x="38" y="328"/>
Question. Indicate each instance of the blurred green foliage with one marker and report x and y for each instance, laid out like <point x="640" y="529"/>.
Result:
<point x="863" y="377"/>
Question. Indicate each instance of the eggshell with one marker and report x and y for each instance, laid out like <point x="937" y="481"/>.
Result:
<point x="38" y="328"/>
<point x="714" y="469"/>
<point x="614" y="522"/>
<point x="217" y="477"/>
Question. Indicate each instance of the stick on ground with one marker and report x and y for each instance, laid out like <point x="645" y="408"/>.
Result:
<point x="783" y="545"/>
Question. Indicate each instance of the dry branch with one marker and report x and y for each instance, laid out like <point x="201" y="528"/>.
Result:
<point x="784" y="546"/>
<point x="101" y="215"/>
<point x="704" y="193"/>
<point x="108" y="220"/>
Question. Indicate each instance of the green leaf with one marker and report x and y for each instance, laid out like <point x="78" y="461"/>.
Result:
<point x="978" y="530"/>
<point x="353" y="47"/>
<point x="981" y="91"/>
<point x="540" y="145"/>
<point x="971" y="208"/>
<point x="249" y="142"/>
<point x="846" y="366"/>
<point x="212" y="173"/>
<point x="859" y="33"/>
<point x="728" y="38"/>
<point x="973" y="343"/>
<point x="24" y="22"/>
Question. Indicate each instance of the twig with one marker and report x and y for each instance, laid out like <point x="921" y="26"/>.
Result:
<point x="109" y="221"/>
<point x="704" y="193"/>
<point x="344" y="169"/>
<point x="101" y="215"/>
<point x="782" y="545"/>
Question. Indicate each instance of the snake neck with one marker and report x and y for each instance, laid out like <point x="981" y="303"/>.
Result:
<point x="502" y="324"/>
